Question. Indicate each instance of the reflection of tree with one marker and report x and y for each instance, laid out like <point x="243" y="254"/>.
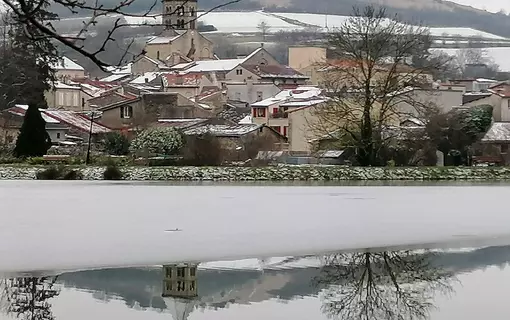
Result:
<point x="383" y="285"/>
<point x="27" y="298"/>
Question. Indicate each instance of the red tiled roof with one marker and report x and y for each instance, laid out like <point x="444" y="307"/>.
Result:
<point x="97" y="83"/>
<point x="502" y="90"/>
<point x="175" y="79"/>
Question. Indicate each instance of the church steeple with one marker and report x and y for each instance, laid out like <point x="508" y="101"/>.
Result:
<point x="180" y="14"/>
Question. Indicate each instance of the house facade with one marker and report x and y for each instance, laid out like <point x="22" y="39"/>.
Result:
<point x="146" y="109"/>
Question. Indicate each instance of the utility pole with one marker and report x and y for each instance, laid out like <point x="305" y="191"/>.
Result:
<point x="87" y="161"/>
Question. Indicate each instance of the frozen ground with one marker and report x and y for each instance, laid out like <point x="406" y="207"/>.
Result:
<point x="56" y="226"/>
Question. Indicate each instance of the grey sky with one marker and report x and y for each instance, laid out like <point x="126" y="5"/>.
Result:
<point x="489" y="5"/>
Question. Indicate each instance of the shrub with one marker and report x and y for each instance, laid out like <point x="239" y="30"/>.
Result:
<point x="203" y="150"/>
<point x="36" y="161"/>
<point x="59" y="173"/>
<point x="73" y="175"/>
<point x="52" y="173"/>
<point x="158" y="141"/>
<point x="116" y="144"/>
<point x="112" y="172"/>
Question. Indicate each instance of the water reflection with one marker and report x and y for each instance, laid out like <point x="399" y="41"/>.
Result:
<point x="382" y="285"/>
<point x="27" y="298"/>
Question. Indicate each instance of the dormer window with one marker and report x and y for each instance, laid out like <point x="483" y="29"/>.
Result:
<point x="239" y="72"/>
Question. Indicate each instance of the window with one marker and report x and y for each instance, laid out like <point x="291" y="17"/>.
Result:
<point x="259" y="95"/>
<point x="192" y="272"/>
<point x="168" y="9"/>
<point x="180" y="11"/>
<point x="60" y="99"/>
<point x="192" y="286"/>
<point x="169" y="286"/>
<point x="76" y="99"/>
<point x="239" y="72"/>
<point x="504" y="148"/>
<point x="181" y="286"/>
<point x="276" y="128"/>
<point x="58" y="135"/>
<point x="169" y="273"/>
<point x="191" y="11"/>
<point x="261" y="112"/>
<point x="157" y="54"/>
<point x="126" y="112"/>
<point x="181" y="272"/>
<point x="276" y="110"/>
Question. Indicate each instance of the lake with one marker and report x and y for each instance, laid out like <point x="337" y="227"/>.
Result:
<point x="52" y="228"/>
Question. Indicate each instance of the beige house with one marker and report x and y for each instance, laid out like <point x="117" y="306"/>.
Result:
<point x="414" y="102"/>
<point x="308" y="60"/>
<point x="274" y="112"/>
<point x="67" y="69"/>
<point x="499" y="100"/>
<point x="66" y="96"/>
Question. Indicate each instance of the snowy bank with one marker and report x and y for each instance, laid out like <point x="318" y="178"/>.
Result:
<point x="275" y="173"/>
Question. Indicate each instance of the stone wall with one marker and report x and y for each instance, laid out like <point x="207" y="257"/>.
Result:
<point x="276" y="173"/>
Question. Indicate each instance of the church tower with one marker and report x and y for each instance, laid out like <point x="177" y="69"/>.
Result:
<point x="180" y="14"/>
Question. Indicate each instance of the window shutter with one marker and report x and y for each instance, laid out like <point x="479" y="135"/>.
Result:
<point x="275" y="110"/>
<point x="264" y="112"/>
<point x="254" y="112"/>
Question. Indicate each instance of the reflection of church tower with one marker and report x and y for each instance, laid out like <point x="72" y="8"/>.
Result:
<point x="180" y="289"/>
<point x="180" y="14"/>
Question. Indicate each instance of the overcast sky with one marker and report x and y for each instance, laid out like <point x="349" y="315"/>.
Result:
<point x="489" y="5"/>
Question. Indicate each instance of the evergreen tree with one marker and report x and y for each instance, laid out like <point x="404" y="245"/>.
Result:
<point x="33" y="140"/>
<point x="26" y="62"/>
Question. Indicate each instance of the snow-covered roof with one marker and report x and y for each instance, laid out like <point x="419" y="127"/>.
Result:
<point x="146" y="77"/>
<point x="223" y="130"/>
<point x="181" y="123"/>
<point x="301" y="96"/>
<point x="76" y="120"/>
<point x="209" y="65"/>
<point x="61" y="85"/>
<point x="126" y="69"/>
<point x="20" y="109"/>
<point x="115" y="77"/>
<point x="162" y="40"/>
<point x="67" y="64"/>
<point x="246" y="120"/>
<point x="498" y="132"/>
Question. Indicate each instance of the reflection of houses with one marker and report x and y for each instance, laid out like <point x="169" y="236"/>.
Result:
<point x="180" y="289"/>
<point x="232" y="284"/>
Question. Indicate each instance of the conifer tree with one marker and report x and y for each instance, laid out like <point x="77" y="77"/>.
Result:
<point x="33" y="140"/>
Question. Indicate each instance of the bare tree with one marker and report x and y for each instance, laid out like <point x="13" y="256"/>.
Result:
<point x="32" y="14"/>
<point x="381" y="285"/>
<point x="371" y="82"/>
<point x="263" y="27"/>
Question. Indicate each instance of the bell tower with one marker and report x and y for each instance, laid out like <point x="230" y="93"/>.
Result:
<point x="180" y="14"/>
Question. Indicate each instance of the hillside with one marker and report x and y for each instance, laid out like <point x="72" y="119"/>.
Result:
<point x="430" y="12"/>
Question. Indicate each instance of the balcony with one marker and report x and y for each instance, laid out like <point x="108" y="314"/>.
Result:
<point x="279" y="115"/>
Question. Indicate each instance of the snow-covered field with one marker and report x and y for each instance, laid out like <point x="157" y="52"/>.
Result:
<point x="242" y="22"/>
<point x="58" y="226"/>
